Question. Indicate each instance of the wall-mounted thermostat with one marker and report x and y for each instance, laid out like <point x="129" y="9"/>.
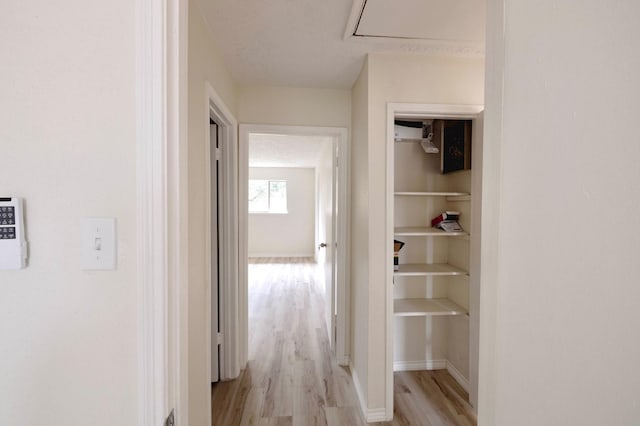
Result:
<point x="13" y="245"/>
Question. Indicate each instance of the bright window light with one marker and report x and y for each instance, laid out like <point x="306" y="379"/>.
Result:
<point x="267" y="196"/>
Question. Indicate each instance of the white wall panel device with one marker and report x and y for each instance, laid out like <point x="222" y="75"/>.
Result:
<point x="13" y="245"/>
<point x="99" y="244"/>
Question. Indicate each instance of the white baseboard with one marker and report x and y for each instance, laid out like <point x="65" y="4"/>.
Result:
<point x="280" y="255"/>
<point x="463" y="381"/>
<point x="376" y="415"/>
<point x="358" y="387"/>
<point x="371" y="415"/>
<point x="344" y="361"/>
<point x="432" y="364"/>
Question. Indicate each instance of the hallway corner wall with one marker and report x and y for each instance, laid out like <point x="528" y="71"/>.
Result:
<point x="205" y="66"/>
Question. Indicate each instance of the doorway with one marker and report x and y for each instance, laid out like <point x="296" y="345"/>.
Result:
<point x="214" y="268"/>
<point x="433" y="293"/>
<point x="221" y="246"/>
<point x="336" y="284"/>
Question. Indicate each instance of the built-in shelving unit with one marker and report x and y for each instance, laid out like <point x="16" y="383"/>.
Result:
<point x="433" y="194"/>
<point x="428" y="269"/>
<point x="426" y="307"/>
<point x="431" y="284"/>
<point x="415" y="231"/>
<point x="459" y="197"/>
<point x="432" y="289"/>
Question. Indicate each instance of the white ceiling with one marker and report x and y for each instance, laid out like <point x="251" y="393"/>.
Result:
<point x="322" y="43"/>
<point x="266" y="150"/>
<point x="439" y="20"/>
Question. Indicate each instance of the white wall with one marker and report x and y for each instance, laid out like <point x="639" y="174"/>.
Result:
<point x="359" y="274"/>
<point x="565" y="292"/>
<point x="290" y="234"/>
<point x="205" y="65"/>
<point x="294" y="106"/>
<point x="67" y="133"/>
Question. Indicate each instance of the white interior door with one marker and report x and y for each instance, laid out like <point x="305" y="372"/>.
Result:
<point x="332" y="249"/>
<point x="215" y="250"/>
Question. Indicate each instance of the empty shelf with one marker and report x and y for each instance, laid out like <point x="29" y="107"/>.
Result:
<point x="419" y="269"/>
<point x="426" y="307"/>
<point x="459" y="198"/>
<point x="426" y="232"/>
<point x="432" y="194"/>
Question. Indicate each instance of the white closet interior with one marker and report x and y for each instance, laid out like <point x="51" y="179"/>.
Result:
<point x="435" y="304"/>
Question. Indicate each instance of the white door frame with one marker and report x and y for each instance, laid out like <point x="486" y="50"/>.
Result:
<point x="411" y="110"/>
<point x="161" y="163"/>
<point x="228" y="219"/>
<point x="340" y="134"/>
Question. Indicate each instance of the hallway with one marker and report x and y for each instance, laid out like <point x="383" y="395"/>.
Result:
<point x="291" y="377"/>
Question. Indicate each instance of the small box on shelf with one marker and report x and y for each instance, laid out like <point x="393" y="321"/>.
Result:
<point x="397" y="245"/>
<point x="447" y="221"/>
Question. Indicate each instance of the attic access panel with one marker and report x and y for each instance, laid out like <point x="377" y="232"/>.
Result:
<point x="435" y="20"/>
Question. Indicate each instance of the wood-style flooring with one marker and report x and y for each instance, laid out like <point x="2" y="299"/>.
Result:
<point x="291" y="377"/>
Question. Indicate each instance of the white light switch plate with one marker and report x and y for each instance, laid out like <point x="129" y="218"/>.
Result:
<point x="99" y="244"/>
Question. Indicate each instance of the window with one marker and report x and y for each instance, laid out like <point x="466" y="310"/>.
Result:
<point x="267" y="196"/>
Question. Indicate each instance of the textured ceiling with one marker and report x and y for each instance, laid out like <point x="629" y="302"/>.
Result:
<point x="310" y="43"/>
<point x="268" y="150"/>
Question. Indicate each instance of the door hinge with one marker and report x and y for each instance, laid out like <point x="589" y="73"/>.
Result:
<point x="219" y="338"/>
<point x="171" y="420"/>
<point x="218" y="154"/>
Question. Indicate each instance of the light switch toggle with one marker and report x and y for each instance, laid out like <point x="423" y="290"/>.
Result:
<point x="99" y="244"/>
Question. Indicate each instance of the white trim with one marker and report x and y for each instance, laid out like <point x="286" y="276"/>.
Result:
<point x="341" y="135"/>
<point x="405" y="110"/>
<point x="161" y="110"/>
<point x="430" y="364"/>
<point x="151" y="214"/>
<point x="462" y="381"/>
<point x="311" y="255"/>
<point x="177" y="184"/>
<point x="371" y="415"/>
<point x="343" y="234"/>
<point x="243" y="245"/>
<point x="228" y="267"/>
<point x="374" y="415"/>
<point x="358" y="387"/>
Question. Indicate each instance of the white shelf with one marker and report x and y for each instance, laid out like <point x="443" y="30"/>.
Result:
<point x="434" y="269"/>
<point x="426" y="232"/>
<point x="459" y="198"/>
<point x="426" y="307"/>
<point x="432" y="194"/>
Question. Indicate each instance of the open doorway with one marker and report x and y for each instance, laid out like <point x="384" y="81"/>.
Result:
<point x="433" y="290"/>
<point x="293" y="256"/>
<point x="324" y="149"/>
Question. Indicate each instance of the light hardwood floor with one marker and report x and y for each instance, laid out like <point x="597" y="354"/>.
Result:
<point x="291" y="377"/>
